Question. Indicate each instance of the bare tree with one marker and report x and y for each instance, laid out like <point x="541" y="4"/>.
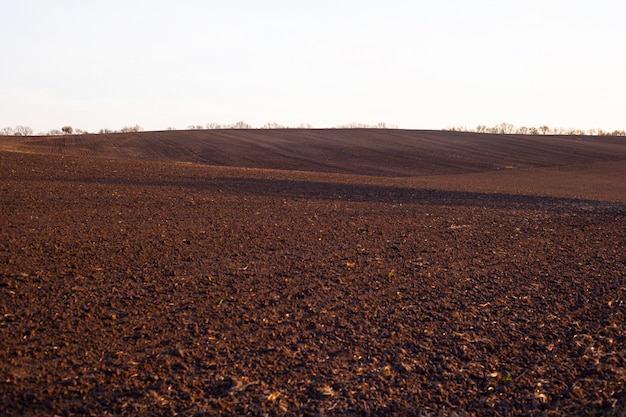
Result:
<point x="240" y="125"/>
<point x="272" y="125"/>
<point x="68" y="130"/>
<point x="575" y="132"/>
<point x="7" y="131"/>
<point x="22" y="131"/>
<point x="506" y="128"/>
<point x="128" y="129"/>
<point x="544" y="130"/>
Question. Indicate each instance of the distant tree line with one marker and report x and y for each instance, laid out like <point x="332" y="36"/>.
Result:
<point x="65" y="130"/>
<point x="125" y="129"/>
<point x="509" y="129"/>
<point x="502" y="128"/>
<point x="273" y="125"/>
<point x="244" y="125"/>
<point x="17" y="131"/>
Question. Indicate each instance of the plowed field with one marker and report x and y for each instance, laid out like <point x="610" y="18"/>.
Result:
<point x="312" y="272"/>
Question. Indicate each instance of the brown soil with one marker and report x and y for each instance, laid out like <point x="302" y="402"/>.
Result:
<point x="312" y="272"/>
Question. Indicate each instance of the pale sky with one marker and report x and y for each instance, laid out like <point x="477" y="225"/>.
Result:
<point x="414" y="64"/>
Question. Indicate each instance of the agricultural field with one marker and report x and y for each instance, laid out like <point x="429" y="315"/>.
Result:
<point x="312" y="272"/>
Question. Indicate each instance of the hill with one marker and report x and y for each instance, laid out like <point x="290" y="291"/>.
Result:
<point x="353" y="151"/>
<point x="565" y="166"/>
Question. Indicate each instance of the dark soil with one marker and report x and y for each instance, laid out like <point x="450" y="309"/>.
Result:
<point x="332" y="276"/>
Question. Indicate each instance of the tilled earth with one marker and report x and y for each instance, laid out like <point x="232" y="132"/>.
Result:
<point x="134" y="287"/>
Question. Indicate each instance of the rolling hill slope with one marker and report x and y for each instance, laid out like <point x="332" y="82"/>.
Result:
<point x="389" y="153"/>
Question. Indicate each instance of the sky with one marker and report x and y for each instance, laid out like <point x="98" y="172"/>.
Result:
<point x="412" y="64"/>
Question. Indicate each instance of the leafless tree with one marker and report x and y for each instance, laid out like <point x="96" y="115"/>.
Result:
<point x="128" y="129"/>
<point x="544" y="130"/>
<point x="22" y="131"/>
<point x="506" y="128"/>
<point x="272" y="125"/>
<point x="240" y="125"/>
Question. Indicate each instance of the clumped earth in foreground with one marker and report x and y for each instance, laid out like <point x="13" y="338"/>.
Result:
<point x="142" y="284"/>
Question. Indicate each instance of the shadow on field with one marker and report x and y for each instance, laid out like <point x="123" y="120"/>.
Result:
<point x="316" y="190"/>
